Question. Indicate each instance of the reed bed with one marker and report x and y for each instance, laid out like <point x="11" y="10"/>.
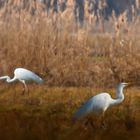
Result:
<point x="98" y="54"/>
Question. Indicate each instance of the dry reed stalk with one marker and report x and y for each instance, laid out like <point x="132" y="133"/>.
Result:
<point x="64" y="55"/>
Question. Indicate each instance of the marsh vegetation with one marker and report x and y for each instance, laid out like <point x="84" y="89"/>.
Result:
<point x="75" y="63"/>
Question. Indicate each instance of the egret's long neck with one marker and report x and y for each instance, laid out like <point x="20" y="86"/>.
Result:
<point x="119" y="96"/>
<point x="8" y="79"/>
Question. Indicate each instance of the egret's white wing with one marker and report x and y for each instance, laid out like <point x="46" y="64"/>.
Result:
<point x="85" y="109"/>
<point x="27" y="75"/>
<point x="34" y="77"/>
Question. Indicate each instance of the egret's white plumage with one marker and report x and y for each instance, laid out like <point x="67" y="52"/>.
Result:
<point x="100" y="103"/>
<point x="23" y="75"/>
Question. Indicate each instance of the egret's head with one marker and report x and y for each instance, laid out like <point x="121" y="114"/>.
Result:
<point x="123" y="84"/>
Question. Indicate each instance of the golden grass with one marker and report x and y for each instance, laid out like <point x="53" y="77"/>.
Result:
<point x="47" y="114"/>
<point x="64" y="54"/>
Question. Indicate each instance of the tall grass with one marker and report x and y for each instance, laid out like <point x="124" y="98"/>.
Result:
<point x="64" y="54"/>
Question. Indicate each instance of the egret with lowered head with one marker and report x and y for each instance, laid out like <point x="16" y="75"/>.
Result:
<point x="100" y="103"/>
<point x="23" y="75"/>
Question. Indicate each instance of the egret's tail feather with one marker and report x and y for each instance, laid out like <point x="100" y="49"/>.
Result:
<point x="41" y="80"/>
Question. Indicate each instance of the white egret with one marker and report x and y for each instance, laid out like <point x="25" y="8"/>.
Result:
<point x="23" y="75"/>
<point x="100" y="103"/>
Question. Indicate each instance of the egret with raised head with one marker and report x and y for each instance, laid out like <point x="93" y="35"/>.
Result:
<point x="98" y="104"/>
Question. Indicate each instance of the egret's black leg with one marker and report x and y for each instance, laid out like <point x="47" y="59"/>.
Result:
<point x="103" y="123"/>
<point x="90" y="122"/>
